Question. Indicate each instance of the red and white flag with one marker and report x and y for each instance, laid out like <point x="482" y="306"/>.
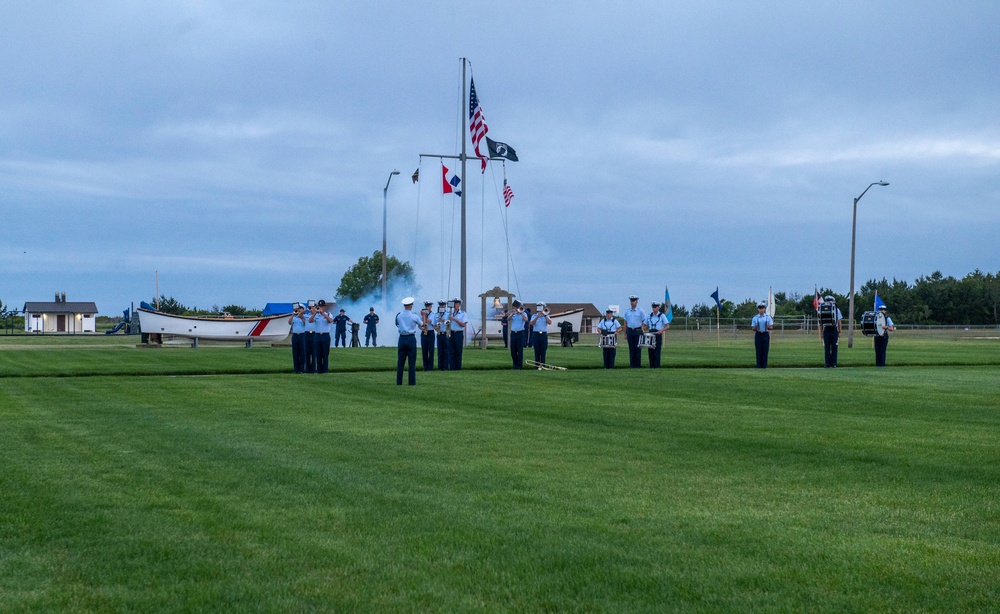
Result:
<point x="450" y="182"/>
<point x="508" y="194"/>
<point x="477" y="122"/>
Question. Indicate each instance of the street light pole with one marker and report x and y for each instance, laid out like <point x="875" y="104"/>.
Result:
<point x="385" y="193"/>
<point x="850" y="302"/>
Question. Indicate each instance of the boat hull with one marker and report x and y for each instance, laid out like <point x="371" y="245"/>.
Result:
<point x="270" y="328"/>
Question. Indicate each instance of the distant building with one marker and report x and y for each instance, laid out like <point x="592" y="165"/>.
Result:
<point x="60" y="316"/>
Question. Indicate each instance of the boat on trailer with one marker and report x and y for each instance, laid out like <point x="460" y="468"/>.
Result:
<point x="246" y="330"/>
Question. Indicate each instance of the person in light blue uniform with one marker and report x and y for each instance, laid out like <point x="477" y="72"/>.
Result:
<point x="322" y="337"/>
<point x="830" y="329"/>
<point x="518" y="325"/>
<point x="298" y="322"/>
<point x="882" y="342"/>
<point x="634" y="317"/>
<point x="371" y="332"/>
<point x="762" y="324"/>
<point x="427" y="338"/>
<point x="311" y="339"/>
<point x="609" y="326"/>
<point x="456" y="324"/>
<point x="540" y="333"/>
<point x="408" y="324"/>
<point x="655" y="323"/>
<point x="443" y="336"/>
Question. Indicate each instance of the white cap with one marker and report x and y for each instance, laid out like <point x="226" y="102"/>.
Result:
<point x="408" y="300"/>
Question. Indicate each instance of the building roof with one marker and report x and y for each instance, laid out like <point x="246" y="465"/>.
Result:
<point x="61" y="307"/>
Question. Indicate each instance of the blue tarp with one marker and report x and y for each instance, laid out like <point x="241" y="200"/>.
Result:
<point x="276" y="309"/>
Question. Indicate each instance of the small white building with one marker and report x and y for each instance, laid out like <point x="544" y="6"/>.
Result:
<point x="60" y="316"/>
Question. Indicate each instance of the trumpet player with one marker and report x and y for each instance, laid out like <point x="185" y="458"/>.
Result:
<point x="443" y="341"/>
<point x="518" y="325"/>
<point x="456" y="328"/>
<point x="540" y="333"/>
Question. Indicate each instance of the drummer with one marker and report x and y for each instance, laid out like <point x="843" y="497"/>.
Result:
<point x="762" y="324"/>
<point x="609" y="326"/>
<point x="655" y="323"/>
<point x="882" y="341"/>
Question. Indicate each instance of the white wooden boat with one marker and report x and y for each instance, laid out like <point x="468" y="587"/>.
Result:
<point x="267" y="328"/>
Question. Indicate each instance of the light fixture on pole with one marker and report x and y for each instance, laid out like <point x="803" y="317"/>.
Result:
<point x="850" y="302"/>
<point x="385" y="193"/>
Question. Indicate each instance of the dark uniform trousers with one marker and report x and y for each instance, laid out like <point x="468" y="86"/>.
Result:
<point x="655" y="351"/>
<point x="609" y="357"/>
<point x="634" y="351"/>
<point x="517" y="348"/>
<point x="310" y="352"/>
<point x="761" y="345"/>
<point x="322" y="348"/>
<point x="540" y="345"/>
<point x="407" y="351"/>
<point x="830" y="346"/>
<point x="881" y="343"/>
<point x="444" y="352"/>
<point x="340" y="338"/>
<point x="299" y="352"/>
<point x="457" y="345"/>
<point x="427" y="349"/>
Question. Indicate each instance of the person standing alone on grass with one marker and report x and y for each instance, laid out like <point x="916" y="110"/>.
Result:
<point x="408" y="324"/>
<point x="371" y="333"/>
<point x="762" y="324"/>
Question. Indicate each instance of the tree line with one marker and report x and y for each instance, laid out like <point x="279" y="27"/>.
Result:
<point x="930" y="300"/>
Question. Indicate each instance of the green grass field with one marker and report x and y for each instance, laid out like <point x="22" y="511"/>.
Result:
<point x="215" y="480"/>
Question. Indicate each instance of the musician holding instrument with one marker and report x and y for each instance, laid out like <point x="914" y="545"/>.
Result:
<point x="518" y="326"/>
<point x="655" y="323"/>
<point x="408" y="324"/>
<point x="634" y="317"/>
<point x="882" y="340"/>
<point x="540" y="333"/>
<point x="456" y="331"/>
<point x="427" y="337"/>
<point x="608" y="328"/>
<point x="830" y="320"/>
<point x="762" y="325"/>
<point x="444" y="343"/>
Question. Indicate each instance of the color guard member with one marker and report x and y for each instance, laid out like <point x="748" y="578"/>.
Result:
<point x="882" y="342"/>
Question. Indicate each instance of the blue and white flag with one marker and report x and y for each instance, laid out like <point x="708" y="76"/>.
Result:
<point x="667" y="307"/>
<point x="715" y="295"/>
<point x="879" y="303"/>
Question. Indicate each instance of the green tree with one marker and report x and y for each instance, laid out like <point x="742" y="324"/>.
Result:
<point x="170" y="305"/>
<point x="365" y="278"/>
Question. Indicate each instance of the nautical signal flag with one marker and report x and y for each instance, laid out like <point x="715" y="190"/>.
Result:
<point x="508" y="194"/>
<point x="416" y="175"/>
<point x="451" y="183"/>
<point x="879" y="303"/>
<point x="477" y="122"/>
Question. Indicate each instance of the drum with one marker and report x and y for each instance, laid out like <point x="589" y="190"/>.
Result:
<point x="868" y="324"/>
<point x="647" y="340"/>
<point x="880" y="324"/>
<point x="608" y="341"/>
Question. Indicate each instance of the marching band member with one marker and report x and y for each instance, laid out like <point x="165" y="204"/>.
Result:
<point x="609" y="326"/>
<point x="443" y="340"/>
<point x="321" y="343"/>
<point x="634" y="317"/>
<point x="311" y="339"/>
<point x="762" y="324"/>
<point x="298" y="322"/>
<point x="427" y="336"/>
<point x="408" y="323"/>
<point x="456" y="327"/>
<point x="830" y="328"/>
<point x="655" y="323"/>
<point x="882" y="342"/>
<point x="518" y="324"/>
<point x="540" y="333"/>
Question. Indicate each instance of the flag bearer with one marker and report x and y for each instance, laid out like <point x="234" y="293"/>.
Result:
<point x="882" y="341"/>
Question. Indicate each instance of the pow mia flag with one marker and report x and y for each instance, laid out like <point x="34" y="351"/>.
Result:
<point x="501" y="150"/>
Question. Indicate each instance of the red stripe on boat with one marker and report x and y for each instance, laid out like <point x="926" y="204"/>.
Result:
<point x="257" y="330"/>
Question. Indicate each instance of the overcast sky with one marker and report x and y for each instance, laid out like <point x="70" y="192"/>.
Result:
<point x="240" y="149"/>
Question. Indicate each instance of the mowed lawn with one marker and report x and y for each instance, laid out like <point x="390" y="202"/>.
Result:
<point x="169" y="480"/>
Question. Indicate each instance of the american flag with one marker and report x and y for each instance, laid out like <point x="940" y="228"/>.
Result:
<point x="508" y="194"/>
<point x="477" y="122"/>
